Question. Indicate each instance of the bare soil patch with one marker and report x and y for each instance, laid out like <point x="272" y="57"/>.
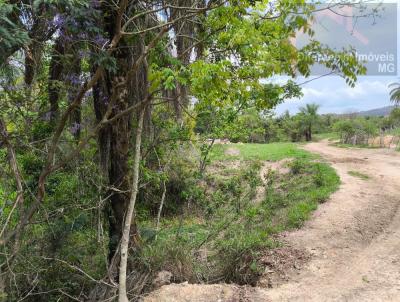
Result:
<point x="280" y="263"/>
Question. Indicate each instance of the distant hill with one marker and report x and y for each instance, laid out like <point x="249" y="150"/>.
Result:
<point x="384" y="111"/>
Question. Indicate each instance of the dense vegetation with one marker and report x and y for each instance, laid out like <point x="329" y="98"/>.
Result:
<point x="107" y="112"/>
<point x="265" y="127"/>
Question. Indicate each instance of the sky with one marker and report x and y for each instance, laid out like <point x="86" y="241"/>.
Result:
<point x="374" y="36"/>
<point x="335" y="96"/>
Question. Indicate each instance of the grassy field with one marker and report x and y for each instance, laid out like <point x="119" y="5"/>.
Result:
<point x="272" y="152"/>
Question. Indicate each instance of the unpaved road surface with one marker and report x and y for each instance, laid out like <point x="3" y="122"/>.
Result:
<point x="353" y="239"/>
<point x="355" y="236"/>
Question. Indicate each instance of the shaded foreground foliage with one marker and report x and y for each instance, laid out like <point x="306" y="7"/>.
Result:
<point x="100" y="105"/>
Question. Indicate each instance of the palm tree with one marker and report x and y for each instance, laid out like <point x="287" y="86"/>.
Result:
<point x="310" y="115"/>
<point x="395" y="93"/>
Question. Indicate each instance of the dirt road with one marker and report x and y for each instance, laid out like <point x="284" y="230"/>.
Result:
<point x="354" y="240"/>
<point x="355" y="236"/>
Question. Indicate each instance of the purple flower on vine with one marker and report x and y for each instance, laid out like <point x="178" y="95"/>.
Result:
<point x="73" y="79"/>
<point x="58" y="20"/>
<point x="100" y="40"/>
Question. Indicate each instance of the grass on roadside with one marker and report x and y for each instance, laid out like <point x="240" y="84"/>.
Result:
<point x="295" y="195"/>
<point x="358" y="174"/>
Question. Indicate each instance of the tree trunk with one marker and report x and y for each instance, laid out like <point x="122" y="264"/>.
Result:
<point x="119" y="173"/>
<point x="114" y="140"/>
<point x="308" y="135"/>
<point x="30" y="66"/>
<point x="184" y="31"/>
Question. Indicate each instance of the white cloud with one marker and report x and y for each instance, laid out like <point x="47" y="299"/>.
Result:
<point x="364" y="88"/>
<point x="311" y="92"/>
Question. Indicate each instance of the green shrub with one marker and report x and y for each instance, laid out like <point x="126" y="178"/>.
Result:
<point x="297" y="166"/>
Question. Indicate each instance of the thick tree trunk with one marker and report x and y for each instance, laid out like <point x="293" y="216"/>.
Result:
<point x="119" y="172"/>
<point x="114" y="140"/>
<point x="307" y="134"/>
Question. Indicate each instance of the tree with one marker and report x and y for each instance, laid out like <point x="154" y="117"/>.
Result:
<point x="310" y="117"/>
<point x="394" y="117"/>
<point x="346" y="129"/>
<point x="355" y="131"/>
<point x="395" y="93"/>
<point x="106" y="69"/>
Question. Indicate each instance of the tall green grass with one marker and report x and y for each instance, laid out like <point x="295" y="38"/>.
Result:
<point x="272" y="152"/>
